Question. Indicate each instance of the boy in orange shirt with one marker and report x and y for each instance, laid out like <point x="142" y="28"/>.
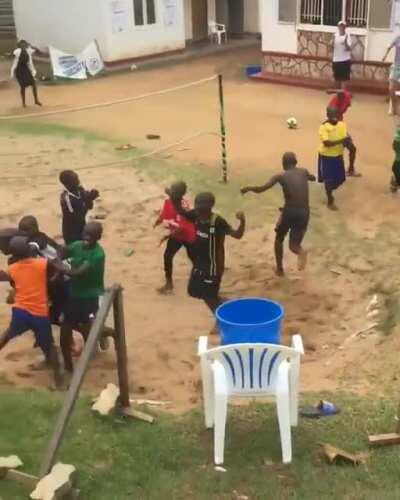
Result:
<point x="30" y="311"/>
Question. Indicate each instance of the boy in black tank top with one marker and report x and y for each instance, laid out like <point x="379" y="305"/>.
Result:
<point x="208" y="249"/>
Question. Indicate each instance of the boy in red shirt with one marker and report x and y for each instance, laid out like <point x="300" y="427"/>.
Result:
<point x="341" y="101"/>
<point x="30" y="311"/>
<point x="182" y="232"/>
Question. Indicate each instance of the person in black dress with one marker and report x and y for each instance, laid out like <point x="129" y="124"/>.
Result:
<point x="75" y="204"/>
<point x="24" y="71"/>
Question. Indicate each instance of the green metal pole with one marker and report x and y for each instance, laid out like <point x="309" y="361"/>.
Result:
<point x="223" y="130"/>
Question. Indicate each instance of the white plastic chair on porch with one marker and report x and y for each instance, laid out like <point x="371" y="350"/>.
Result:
<point x="217" y="31"/>
<point x="252" y="371"/>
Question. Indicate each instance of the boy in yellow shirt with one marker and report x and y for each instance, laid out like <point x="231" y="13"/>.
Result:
<point x="331" y="171"/>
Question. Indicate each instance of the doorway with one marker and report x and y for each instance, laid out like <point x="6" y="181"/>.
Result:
<point x="199" y="20"/>
<point x="236" y="17"/>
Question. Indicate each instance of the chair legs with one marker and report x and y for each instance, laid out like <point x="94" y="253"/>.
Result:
<point x="284" y="413"/>
<point x="208" y="394"/>
<point x="221" y="409"/>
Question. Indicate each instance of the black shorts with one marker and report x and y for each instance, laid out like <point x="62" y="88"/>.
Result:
<point x="294" y="220"/>
<point x="341" y="71"/>
<point x="396" y="172"/>
<point x="203" y="286"/>
<point x="80" y="311"/>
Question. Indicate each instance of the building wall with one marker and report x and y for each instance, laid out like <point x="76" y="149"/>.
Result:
<point x="276" y="36"/>
<point x="282" y="37"/>
<point x="251" y="16"/>
<point x="70" y="24"/>
<point x="378" y="41"/>
<point x="188" y="20"/>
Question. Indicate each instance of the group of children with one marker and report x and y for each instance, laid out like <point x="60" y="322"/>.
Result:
<point x="52" y="283"/>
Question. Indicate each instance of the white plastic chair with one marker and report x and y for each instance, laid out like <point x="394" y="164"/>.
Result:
<point x="252" y="371"/>
<point x="217" y="30"/>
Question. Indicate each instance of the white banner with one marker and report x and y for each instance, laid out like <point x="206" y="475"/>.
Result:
<point x="92" y="59"/>
<point x="76" y="66"/>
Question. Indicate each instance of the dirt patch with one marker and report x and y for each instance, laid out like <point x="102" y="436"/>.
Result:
<point x="326" y="304"/>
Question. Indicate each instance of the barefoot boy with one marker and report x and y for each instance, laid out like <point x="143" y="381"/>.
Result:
<point x="296" y="212"/>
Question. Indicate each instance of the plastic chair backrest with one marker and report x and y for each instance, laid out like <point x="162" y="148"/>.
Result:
<point x="252" y="367"/>
<point x="212" y="26"/>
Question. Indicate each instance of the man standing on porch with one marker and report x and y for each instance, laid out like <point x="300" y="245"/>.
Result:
<point x="341" y="64"/>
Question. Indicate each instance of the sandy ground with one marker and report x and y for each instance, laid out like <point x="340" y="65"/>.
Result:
<point x="326" y="308"/>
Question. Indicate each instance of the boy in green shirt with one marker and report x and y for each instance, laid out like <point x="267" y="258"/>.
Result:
<point x="87" y="259"/>
<point x="395" y="180"/>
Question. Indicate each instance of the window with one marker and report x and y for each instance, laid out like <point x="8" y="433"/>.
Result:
<point x="330" y="12"/>
<point x="144" y="12"/>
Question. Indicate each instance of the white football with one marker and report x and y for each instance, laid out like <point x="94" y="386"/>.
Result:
<point x="291" y="122"/>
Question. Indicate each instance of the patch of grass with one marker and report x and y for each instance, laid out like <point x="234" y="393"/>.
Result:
<point x="41" y="128"/>
<point x="173" y="458"/>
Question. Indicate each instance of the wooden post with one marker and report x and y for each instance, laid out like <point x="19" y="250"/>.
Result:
<point x="76" y="382"/>
<point x="120" y="348"/>
<point x="223" y="129"/>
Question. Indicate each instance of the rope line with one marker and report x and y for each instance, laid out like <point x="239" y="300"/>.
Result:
<point x="109" y="103"/>
<point x="120" y="162"/>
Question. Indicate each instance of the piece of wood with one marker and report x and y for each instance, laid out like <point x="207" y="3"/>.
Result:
<point x="336" y="455"/>
<point x="120" y="348"/>
<point x="11" y="462"/>
<point x="77" y="380"/>
<point x="107" y="400"/>
<point x="384" y="439"/>
<point x="21" y="478"/>
<point x="56" y="485"/>
<point x="139" y="415"/>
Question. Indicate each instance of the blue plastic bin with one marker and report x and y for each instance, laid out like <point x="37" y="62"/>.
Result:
<point x="253" y="70"/>
<point x="250" y="320"/>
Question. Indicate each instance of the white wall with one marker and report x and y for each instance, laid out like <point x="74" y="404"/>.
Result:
<point x="140" y="41"/>
<point x="378" y="41"/>
<point x="276" y="36"/>
<point x="252" y="22"/>
<point x="70" y="24"/>
<point x="188" y="20"/>
<point x="211" y="10"/>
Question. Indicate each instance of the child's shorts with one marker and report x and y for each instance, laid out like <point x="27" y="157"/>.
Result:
<point x="202" y="286"/>
<point x="80" y="311"/>
<point x="23" y="321"/>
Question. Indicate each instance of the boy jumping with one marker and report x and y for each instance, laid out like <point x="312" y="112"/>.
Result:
<point x="209" y="249"/>
<point x="296" y="211"/>
<point x="28" y="275"/>
<point x="75" y="204"/>
<point x="182" y="231"/>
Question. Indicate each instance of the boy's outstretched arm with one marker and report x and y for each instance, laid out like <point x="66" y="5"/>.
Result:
<point x="260" y="189"/>
<point x="239" y="232"/>
<point x="311" y="177"/>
